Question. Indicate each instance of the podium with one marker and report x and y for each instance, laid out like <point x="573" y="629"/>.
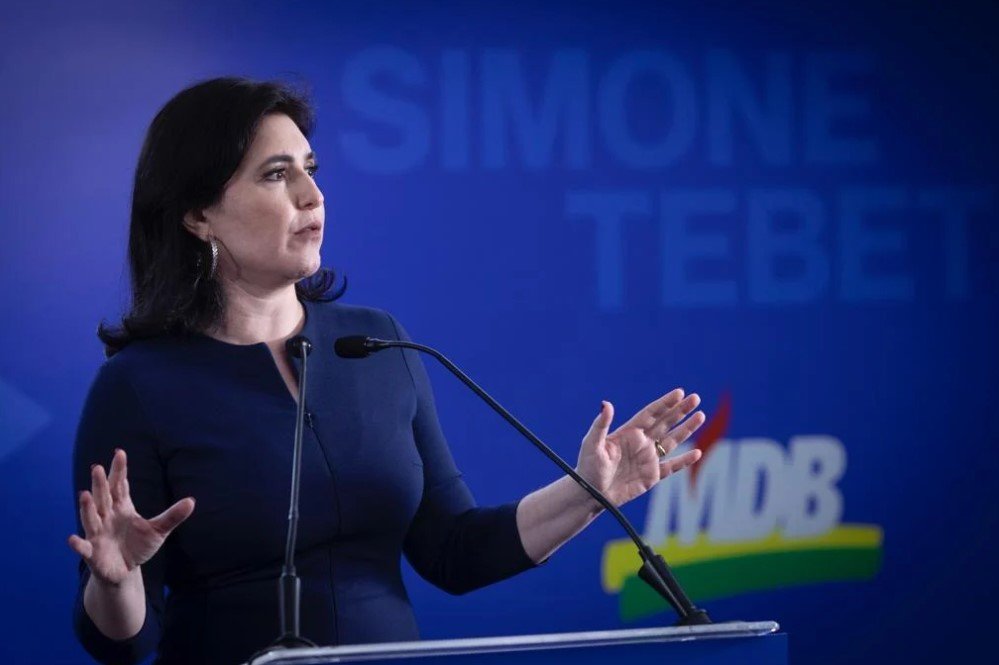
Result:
<point x="746" y="643"/>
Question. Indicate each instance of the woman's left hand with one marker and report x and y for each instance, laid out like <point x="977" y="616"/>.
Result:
<point x="626" y="463"/>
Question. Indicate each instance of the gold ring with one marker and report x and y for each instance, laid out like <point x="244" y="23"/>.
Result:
<point x="659" y="447"/>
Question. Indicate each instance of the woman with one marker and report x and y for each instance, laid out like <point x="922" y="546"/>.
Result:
<point x="197" y="402"/>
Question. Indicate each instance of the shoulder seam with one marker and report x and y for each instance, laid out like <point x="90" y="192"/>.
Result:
<point x="398" y="336"/>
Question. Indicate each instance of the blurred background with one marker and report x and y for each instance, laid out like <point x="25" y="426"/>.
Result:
<point x="789" y="208"/>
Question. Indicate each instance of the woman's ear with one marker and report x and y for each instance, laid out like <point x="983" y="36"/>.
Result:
<point x="195" y="222"/>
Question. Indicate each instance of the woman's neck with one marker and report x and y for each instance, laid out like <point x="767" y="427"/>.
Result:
<point x="251" y="317"/>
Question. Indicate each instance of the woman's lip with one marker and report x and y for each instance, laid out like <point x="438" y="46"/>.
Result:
<point x="308" y="230"/>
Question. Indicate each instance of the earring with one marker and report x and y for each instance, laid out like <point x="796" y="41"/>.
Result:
<point x="215" y="256"/>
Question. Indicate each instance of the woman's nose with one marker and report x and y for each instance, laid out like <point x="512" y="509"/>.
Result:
<point x="310" y="195"/>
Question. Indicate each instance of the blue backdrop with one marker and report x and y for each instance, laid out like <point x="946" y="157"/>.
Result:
<point x="789" y="209"/>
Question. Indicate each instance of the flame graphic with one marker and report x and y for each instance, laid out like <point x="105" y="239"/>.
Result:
<point x="711" y="433"/>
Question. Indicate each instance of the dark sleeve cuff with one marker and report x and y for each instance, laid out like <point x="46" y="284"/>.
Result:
<point x="498" y="547"/>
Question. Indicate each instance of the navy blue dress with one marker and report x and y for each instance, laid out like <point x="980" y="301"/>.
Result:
<point x="204" y="418"/>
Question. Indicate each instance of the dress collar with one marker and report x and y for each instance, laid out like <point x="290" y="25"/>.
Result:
<point x="310" y="330"/>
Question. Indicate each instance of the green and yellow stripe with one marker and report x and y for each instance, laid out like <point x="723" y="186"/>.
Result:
<point x="708" y="569"/>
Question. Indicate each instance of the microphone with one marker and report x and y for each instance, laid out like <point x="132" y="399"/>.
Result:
<point x="290" y="586"/>
<point x="654" y="571"/>
<point x="357" y="346"/>
<point x="299" y="347"/>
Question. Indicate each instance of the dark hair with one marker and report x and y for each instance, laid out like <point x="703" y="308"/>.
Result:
<point x="193" y="146"/>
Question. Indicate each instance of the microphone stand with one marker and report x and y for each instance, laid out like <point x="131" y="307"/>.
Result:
<point x="290" y="586"/>
<point x="654" y="571"/>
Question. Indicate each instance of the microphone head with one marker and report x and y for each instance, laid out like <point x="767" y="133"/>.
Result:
<point x="298" y="345"/>
<point x="352" y="346"/>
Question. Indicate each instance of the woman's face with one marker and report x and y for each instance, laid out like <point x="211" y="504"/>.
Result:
<point x="269" y="224"/>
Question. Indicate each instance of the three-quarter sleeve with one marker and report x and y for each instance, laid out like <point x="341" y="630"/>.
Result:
<point x="453" y="543"/>
<point x="113" y="418"/>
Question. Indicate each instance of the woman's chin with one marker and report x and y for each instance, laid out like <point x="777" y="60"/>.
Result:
<point x="309" y="267"/>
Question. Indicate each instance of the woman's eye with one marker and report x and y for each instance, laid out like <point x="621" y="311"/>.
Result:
<point x="310" y="169"/>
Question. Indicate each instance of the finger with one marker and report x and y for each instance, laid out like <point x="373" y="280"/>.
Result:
<point x="684" y="431"/>
<point x="172" y="517"/>
<point x="653" y="411"/>
<point x="81" y="546"/>
<point x="88" y="515"/>
<point x="598" y="430"/>
<point x="102" y="493"/>
<point x="674" y="415"/>
<point x="679" y="462"/>
<point x="115" y="475"/>
<point x="113" y="470"/>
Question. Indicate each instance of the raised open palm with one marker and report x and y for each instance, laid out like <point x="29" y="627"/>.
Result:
<point x="630" y="460"/>
<point x="118" y="539"/>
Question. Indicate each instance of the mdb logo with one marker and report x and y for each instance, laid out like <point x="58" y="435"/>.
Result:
<point x="754" y="516"/>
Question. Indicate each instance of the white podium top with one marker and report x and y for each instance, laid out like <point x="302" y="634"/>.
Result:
<point x="362" y="652"/>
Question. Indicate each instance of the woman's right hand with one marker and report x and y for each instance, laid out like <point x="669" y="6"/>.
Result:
<point x="118" y="539"/>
